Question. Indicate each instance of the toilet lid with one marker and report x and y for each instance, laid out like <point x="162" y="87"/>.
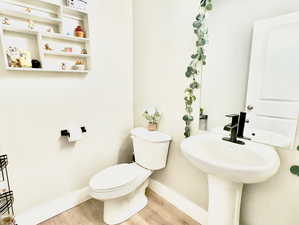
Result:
<point x="114" y="176"/>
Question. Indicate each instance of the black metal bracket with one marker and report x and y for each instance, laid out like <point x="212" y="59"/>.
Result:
<point x="66" y="133"/>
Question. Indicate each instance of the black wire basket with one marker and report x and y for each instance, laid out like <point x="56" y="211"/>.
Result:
<point x="6" y="195"/>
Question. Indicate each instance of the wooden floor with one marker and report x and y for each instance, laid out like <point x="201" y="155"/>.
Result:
<point x="157" y="212"/>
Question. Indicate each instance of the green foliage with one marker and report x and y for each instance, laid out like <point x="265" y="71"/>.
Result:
<point x="295" y="170"/>
<point x="198" y="60"/>
<point x="152" y="115"/>
<point x="298" y="147"/>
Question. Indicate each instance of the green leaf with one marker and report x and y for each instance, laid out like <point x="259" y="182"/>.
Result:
<point x="298" y="147"/>
<point x="197" y="24"/>
<point x="188" y="74"/>
<point x="209" y="7"/>
<point x="199" y="17"/>
<point x="188" y="90"/>
<point x="194" y="56"/>
<point x="185" y="118"/>
<point x="295" y="170"/>
<point x="189" y="109"/>
<point x="200" y="42"/>
<point x="194" y="85"/>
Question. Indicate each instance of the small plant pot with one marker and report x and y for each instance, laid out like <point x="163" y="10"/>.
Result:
<point x="152" y="126"/>
<point x="79" y="34"/>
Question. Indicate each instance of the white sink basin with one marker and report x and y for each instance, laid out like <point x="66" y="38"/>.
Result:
<point x="229" y="166"/>
<point x="249" y="163"/>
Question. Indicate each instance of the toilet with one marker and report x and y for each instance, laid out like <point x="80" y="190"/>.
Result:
<point x="122" y="187"/>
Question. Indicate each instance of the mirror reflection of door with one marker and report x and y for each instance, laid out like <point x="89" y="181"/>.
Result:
<point x="273" y="86"/>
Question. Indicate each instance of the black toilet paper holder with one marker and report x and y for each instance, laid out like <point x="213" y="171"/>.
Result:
<point x="66" y="133"/>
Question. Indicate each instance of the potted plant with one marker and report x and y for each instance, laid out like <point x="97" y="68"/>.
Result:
<point x="152" y="115"/>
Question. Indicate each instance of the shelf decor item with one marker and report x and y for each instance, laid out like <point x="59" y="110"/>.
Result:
<point x="77" y="4"/>
<point x="79" y="65"/>
<point x="47" y="47"/>
<point x="6" y="21"/>
<point x="63" y="66"/>
<point x="79" y="32"/>
<point x="50" y="30"/>
<point x="84" y="51"/>
<point x="31" y="24"/>
<point x="28" y="10"/>
<point x="36" y="64"/>
<point x="68" y="49"/>
<point x="25" y="59"/>
<point x="13" y="56"/>
<point x="153" y="116"/>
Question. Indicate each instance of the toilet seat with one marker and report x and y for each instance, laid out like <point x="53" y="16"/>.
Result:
<point x="118" y="179"/>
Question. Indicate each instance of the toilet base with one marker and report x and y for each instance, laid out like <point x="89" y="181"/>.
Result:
<point x="120" y="209"/>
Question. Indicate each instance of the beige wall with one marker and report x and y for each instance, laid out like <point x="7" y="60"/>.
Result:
<point x="36" y="106"/>
<point x="163" y="42"/>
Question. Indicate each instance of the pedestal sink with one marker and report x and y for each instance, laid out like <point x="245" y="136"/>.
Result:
<point x="229" y="166"/>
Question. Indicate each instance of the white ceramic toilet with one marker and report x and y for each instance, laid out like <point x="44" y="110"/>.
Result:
<point x="122" y="187"/>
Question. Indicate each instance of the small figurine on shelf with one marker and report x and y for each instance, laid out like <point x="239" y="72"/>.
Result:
<point x="6" y="21"/>
<point x="13" y="56"/>
<point x="28" y="10"/>
<point x="31" y="24"/>
<point x="79" y="32"/>
<point x="68" y="49"/>
<point x="84" y="51"/>
<point x="63" y="66"/>
<point x="36" y="64"/>
<point x="7" y="220"/>
<point x="79" y="65"/>
<point x="47" y="47"/>
<point x="50" y="30"/>
<point x="25" y="59"/>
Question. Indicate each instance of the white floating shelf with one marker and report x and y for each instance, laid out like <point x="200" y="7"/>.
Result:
<point x="64" y="37"/>
<point x="51" y="2"/>
<point x="28" y="16"/>
<point x="53" y="15"/>
<point x="61" y="53"/>
<point x="67" y="9"/>
<point x="45" y="70"/>
<point x="45" y="34"/>
<point x="19" y="30"/>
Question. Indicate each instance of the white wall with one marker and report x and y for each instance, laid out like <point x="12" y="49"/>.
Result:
<point x="36" y="106"/>
<point x="163" y="42"/>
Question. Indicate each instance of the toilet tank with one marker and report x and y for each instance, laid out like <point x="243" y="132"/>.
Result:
<point x="150" y="148"/>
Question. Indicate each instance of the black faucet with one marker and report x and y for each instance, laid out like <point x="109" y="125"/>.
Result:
<point x="242" y="121"/>
<point x="233" y="127"/>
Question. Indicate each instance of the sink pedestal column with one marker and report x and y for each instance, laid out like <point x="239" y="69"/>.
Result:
<point x="224" y="201"/>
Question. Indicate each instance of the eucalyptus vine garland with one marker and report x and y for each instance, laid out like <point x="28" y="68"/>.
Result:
<point x="198" y="60"/>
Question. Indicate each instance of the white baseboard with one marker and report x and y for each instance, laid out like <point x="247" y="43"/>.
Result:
<point x="188" y="207"/>
<point x="50" y="209"/>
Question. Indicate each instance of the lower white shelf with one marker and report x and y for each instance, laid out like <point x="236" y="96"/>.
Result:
<point x="45" y="70"/>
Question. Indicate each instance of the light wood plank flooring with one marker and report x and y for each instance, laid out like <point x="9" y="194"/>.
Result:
<point x="157" y="212"/>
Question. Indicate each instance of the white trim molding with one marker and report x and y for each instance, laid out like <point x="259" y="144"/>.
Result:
<point x="50" y="209"/>
<point x="193" y="210"/>
<point x="53" y="208"/>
